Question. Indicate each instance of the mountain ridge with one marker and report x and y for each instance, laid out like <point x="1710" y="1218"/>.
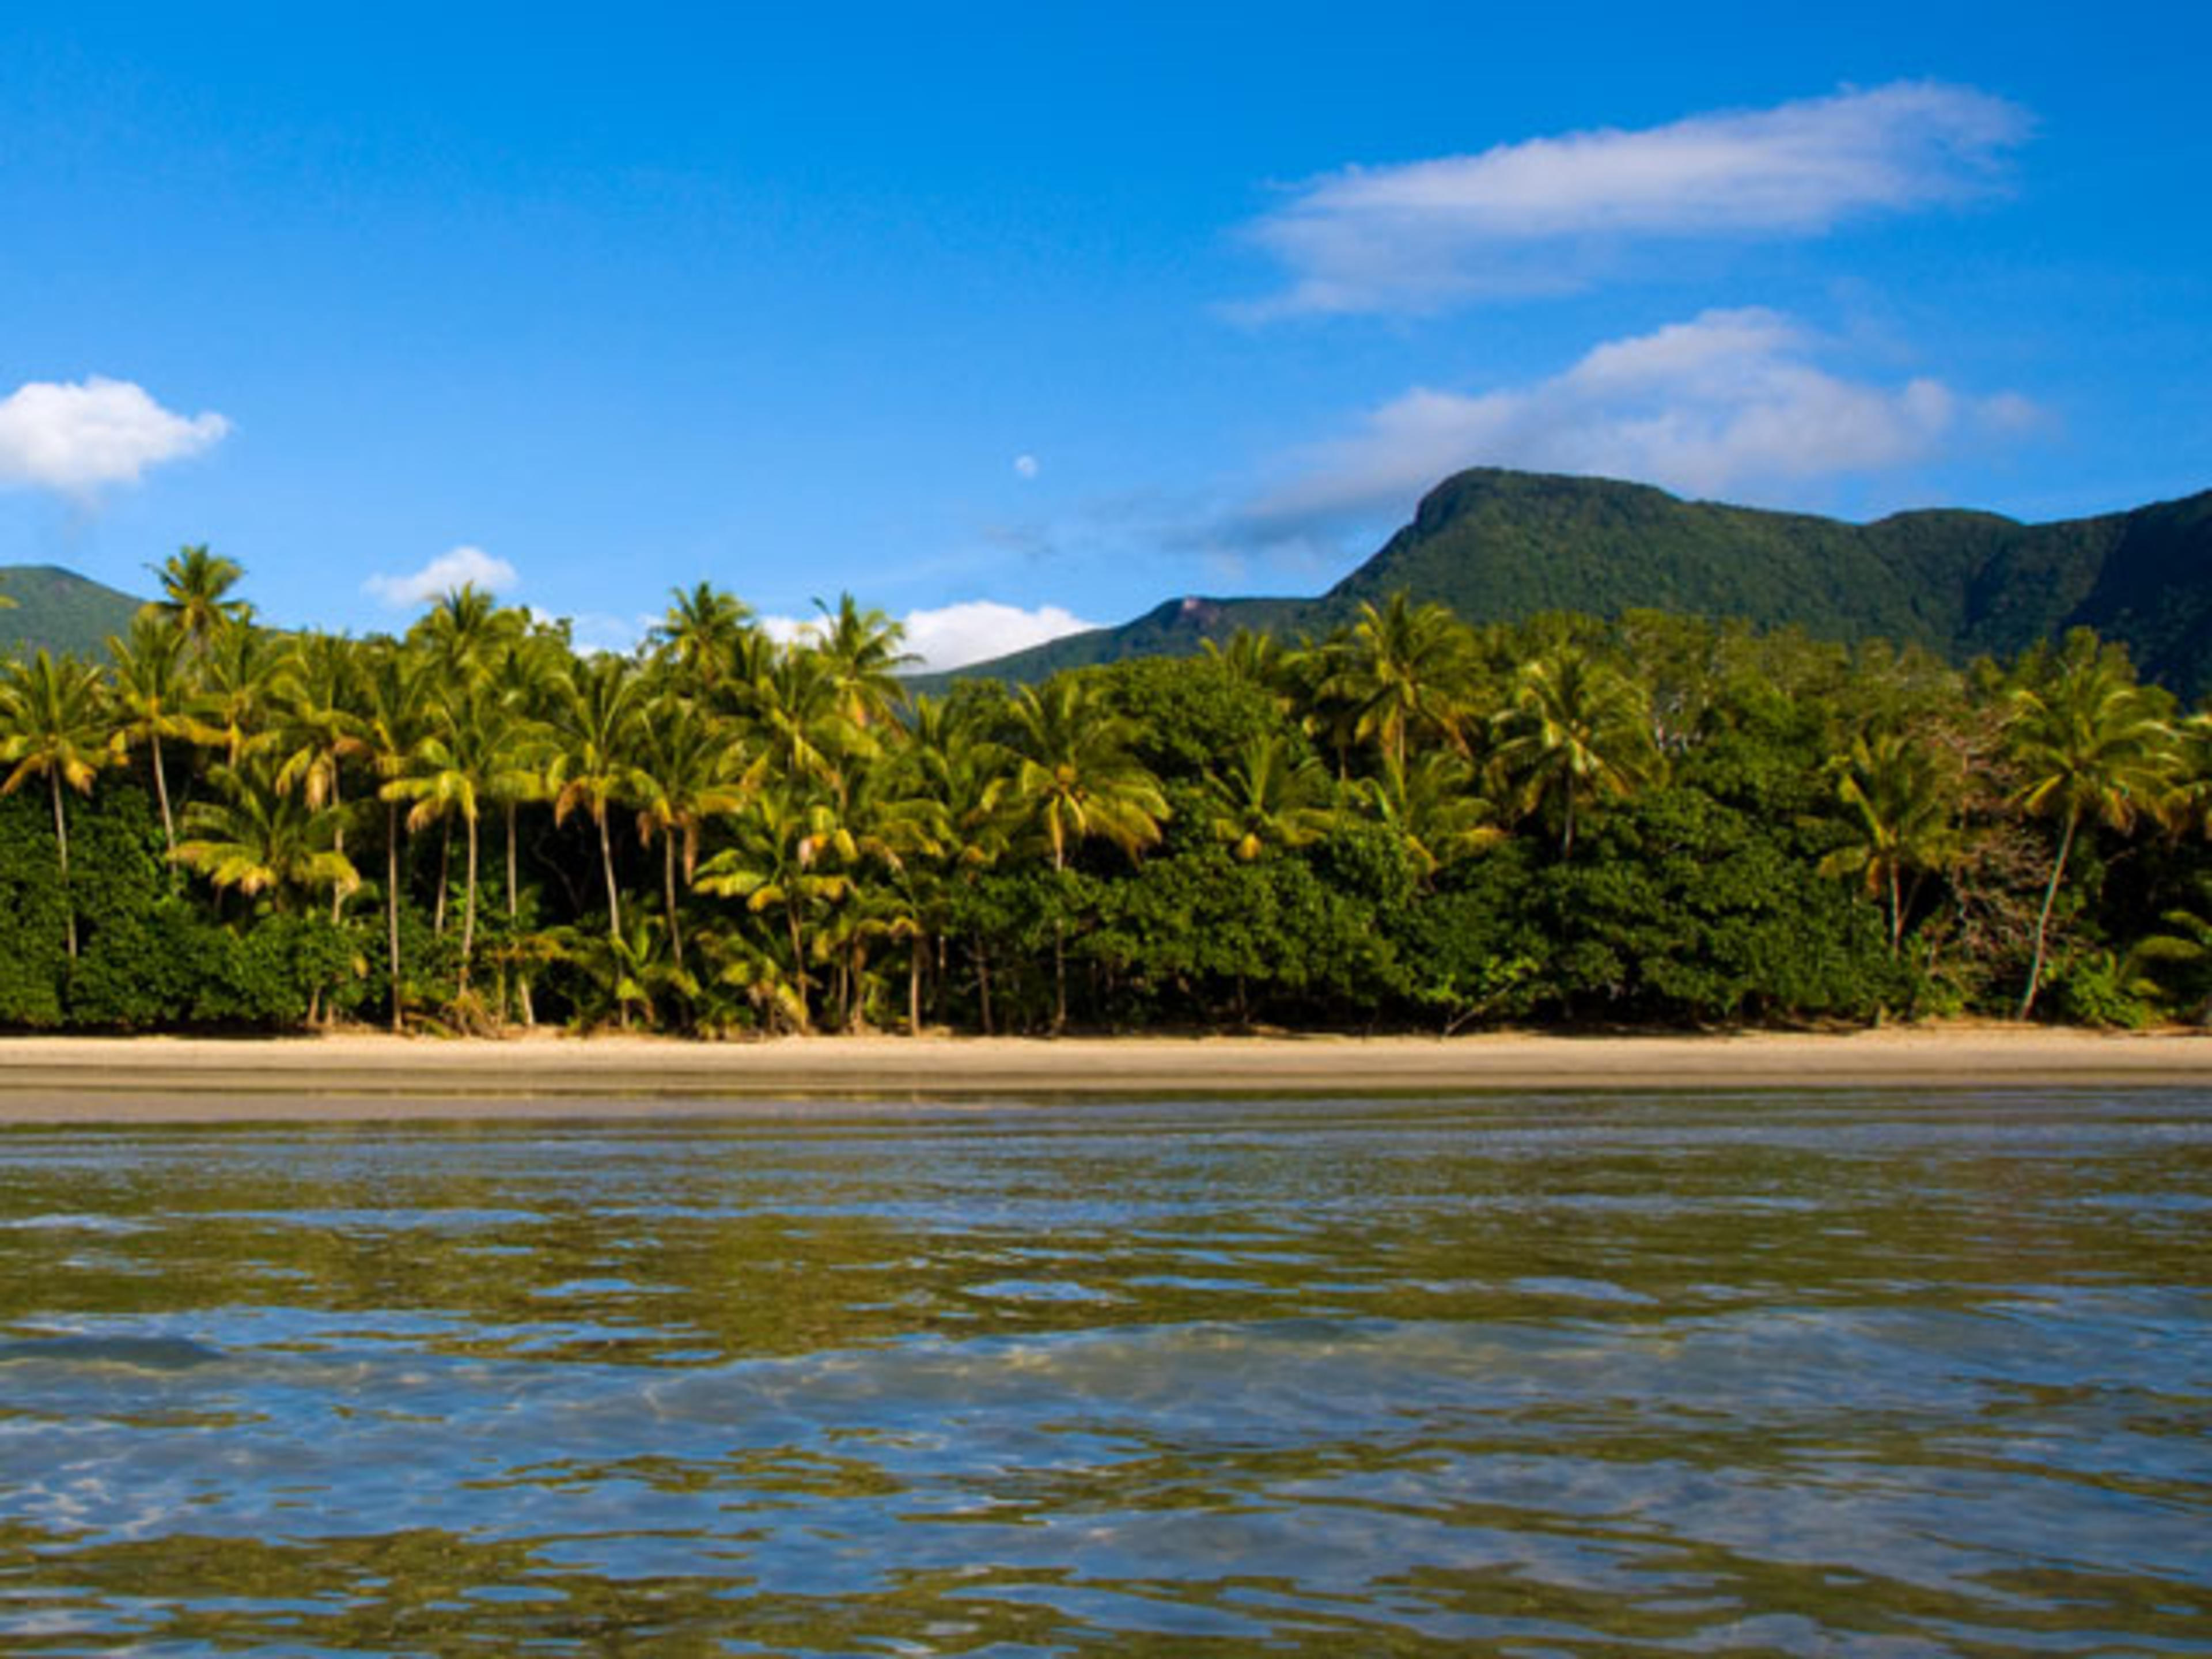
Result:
<point x="1500" y="546"/>
<point x="61" y="611"/>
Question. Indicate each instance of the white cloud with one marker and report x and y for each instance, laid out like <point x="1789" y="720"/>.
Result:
<point x="1534" y="217"/>
<point x="1728" y="403"/>
<point x="465" y="566"/>
<point x="77" y="437"/>
<point x="1025" y="466"/>
<point x="954" y="635"/>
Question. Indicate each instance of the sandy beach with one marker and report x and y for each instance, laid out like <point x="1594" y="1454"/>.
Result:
<point x="362" y="1076"/>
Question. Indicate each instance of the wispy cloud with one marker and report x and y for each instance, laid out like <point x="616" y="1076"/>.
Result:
<point x="1543" y="214"/>
<point x="465" y="566"/>
<point x="77" y="437"/>
<point x="1731" y="403"/>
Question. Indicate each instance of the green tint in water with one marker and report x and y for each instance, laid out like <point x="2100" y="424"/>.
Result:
<point x="1871" y="1374"/>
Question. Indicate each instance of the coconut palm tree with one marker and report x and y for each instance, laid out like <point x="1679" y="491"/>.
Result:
<point x="195" y="587"/>
<point x="1905" y="806"/>
<point x="1270" y="795"/>
<point x="895" y="827"/>
<point x="461" y="634"/>
<point x="952" y="760"/>
<point x="1436" y="807"/>
<point x="1404" y="674"/>
<point x="53" y="724"/>
<point x="690" y="766"/>
<point x="246" y="676"/>
<point x="395" y="720"/>
<point x="445" y="777"/>
<point x="152" y="689"/>
<point x="798" y="727"/>
<point x="2093" y="748"/>
<point x="319" y="728"/>
<point x="1579" y="730"/>
<point x="592" y="739"/>
<point x="1254" y="657"/>
<point x="263" y="838"/>
<point x="1074" y="779"/>
<point x="791" y="854"/>
<point x="700" y="634"/>
<point x="860" y="649"/>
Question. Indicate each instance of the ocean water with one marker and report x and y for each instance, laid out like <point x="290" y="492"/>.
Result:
<point x="1878" y="1373"/>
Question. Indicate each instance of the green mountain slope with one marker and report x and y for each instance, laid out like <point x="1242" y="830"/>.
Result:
<point x="1500" y="546"/>
<point x="61" y="610"/>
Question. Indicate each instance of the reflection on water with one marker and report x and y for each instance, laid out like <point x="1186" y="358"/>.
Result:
<point x="1849" y="1374"/>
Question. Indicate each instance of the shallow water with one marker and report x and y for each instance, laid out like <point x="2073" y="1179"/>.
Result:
<point x="1853" y="1374"/>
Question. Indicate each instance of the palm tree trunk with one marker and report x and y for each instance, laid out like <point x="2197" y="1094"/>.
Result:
<point x="914" y="988"/>
<point x="61" y="843"/>
<point x="668" y="888"/>
<point x="607" y="865"/>
<point x="392" y="904"/>
<point x="1059" y="945"/>
<point x="2050" y="898"/>
<point x="983" y="981"/>
<point x="1567" y="840"/>
<point x="162" y="795"/>
<point x="444" y="864"/>
<point x="1896" y="915"/>
<point x="469" y="912"/>
<point x="337" y="841"/>
<point x="798" y="966"/>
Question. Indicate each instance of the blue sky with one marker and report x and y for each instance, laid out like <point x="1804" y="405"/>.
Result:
<point x="1050" y="309"/>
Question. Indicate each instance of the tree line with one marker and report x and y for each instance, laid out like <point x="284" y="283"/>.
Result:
<point x="1411" y="822"/>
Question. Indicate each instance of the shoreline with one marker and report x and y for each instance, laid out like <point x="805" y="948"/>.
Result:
<point x="364" y="1076"/>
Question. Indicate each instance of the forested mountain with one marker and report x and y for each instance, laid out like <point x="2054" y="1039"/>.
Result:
<point x="58" y="609"/>
<point x="1500" y="546"/>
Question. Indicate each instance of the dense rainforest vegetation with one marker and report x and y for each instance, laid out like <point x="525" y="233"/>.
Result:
<point x="1408" y="823"/>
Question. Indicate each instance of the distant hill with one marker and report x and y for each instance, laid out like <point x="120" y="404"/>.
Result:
<point x="61" y="610"/>
<point x="1500" y="546"/>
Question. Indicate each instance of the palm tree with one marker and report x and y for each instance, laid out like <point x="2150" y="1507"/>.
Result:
<point x="594" y="727"/>
<point x="952" y="760"/>
<point x="860" y="649"/>
<point x="791" y="854"/>
<point x="196" y="585"/>
<point x="689" y="767"/>
<point x="321" y="727"/>
<point x="1579" y="730"/>
<point x="1436" y="807"/>
<point x="799" y="727"/>
<point x="1403" y="674"/>
<point x="395" y="710"/>
<point x="263" y="838"/>
<point x="445" y="777"/>
<point x="895" y="826"/>
<point x="1253" y="659"/>
<point x="523" y="677"/>
<point x="1269" y="794"/>
<point x="2093" y="747"/>
<point x="245" y="677"/>
<point x="701" y="632"/>
<point x="52" y="725"/>
<point x="153" y="690"/>
<point x="461" y="634"/>
<point x="1074" y="779"/>
<point x="1905" y="805"/>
